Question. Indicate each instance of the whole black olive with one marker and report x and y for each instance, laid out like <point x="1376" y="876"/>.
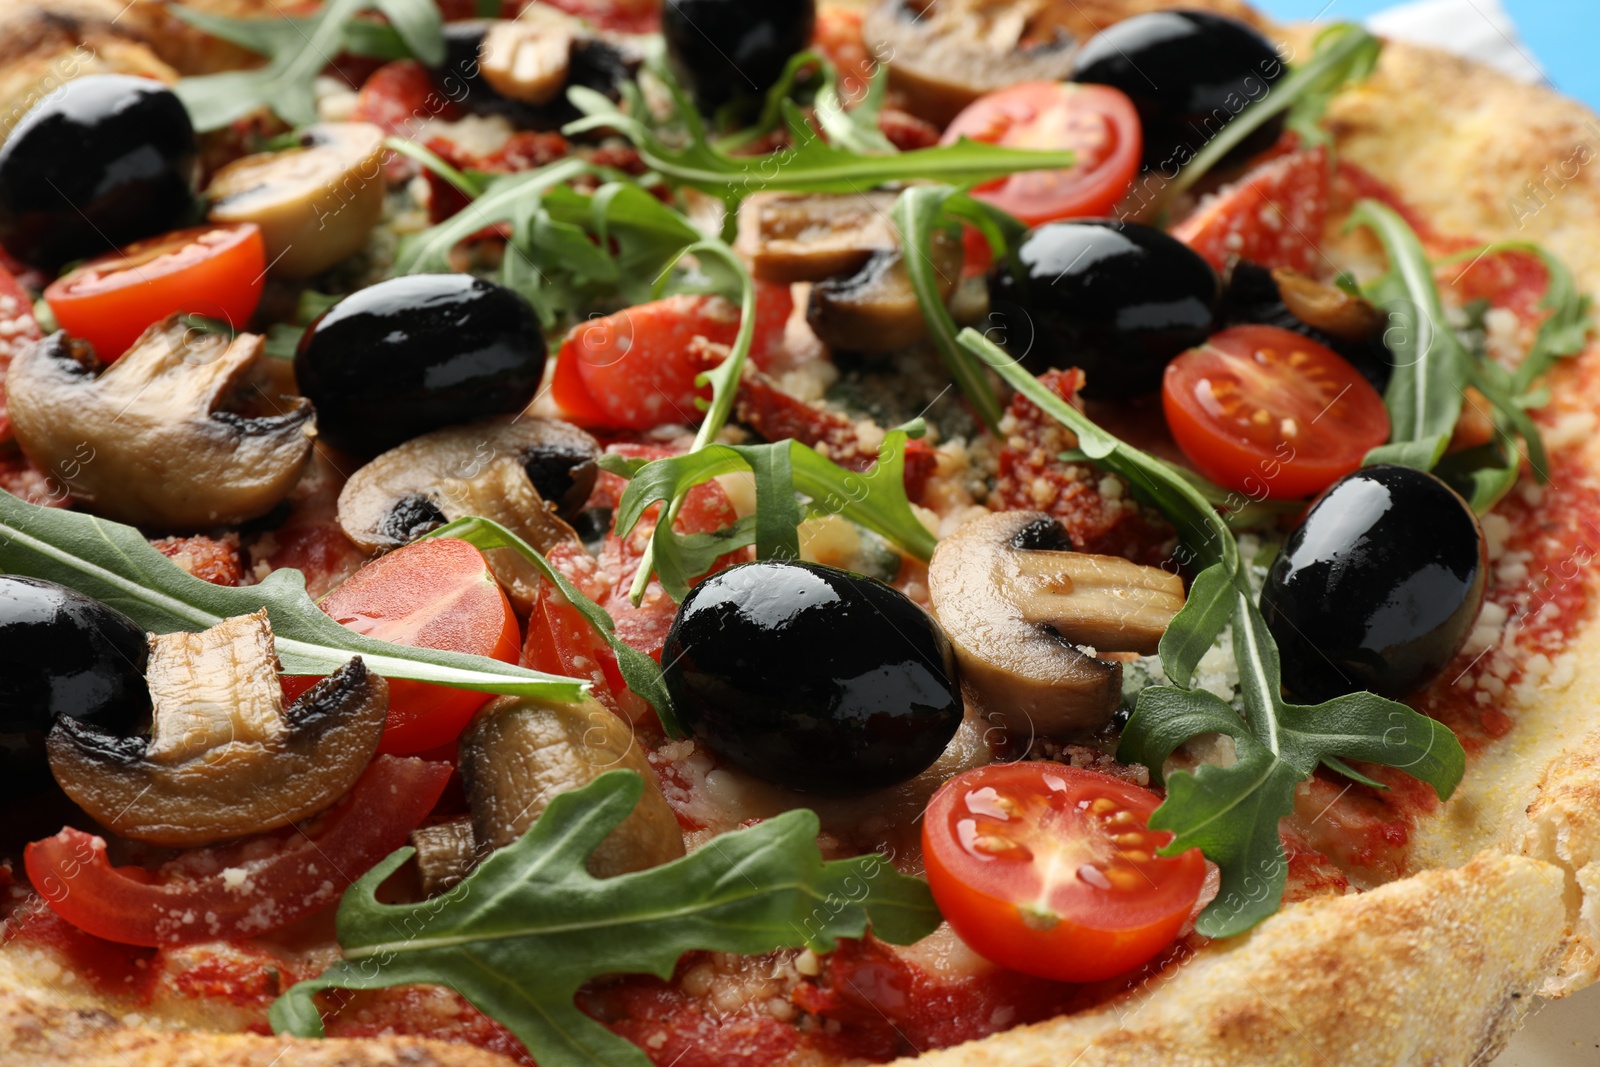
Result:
<point x="417" y="353"/>
<point x="593" y="64"/>
<point x="1189" y="73"/>
<point x="62" y="654"/>
<point x="105" y="160"/>
<point x="1117" y="299"/>
<point x="812" y="677"/>
<point x="1378" y="588"/>
<point x="727" y="50"/>
<point x="1252" y="295"/>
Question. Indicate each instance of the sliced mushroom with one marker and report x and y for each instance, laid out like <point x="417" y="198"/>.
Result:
<point x="1017" y="605"/>
<point x="944" y="54"/>
<point x="526" y="58"/>
<point x="518" y="753"/>
<point x="876" y="309"/>
<point x="446" y="853"/>
<point x="506" y="469"/>
<point x="224" y="758"/>
<point x="316" y="204"/>
<point x="806" y="237"/>
<point x="149" y="440"/>
<point x="1347" y="316"/>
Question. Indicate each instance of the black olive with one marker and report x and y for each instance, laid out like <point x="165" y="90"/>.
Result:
<point x="1252" y="296"/>
<point x="1117" y="299"/>
<point x="106" y="159"/>
<point x="62" y="655"/>
<point x="728" y="50"/>
<point x="415" y="354"/>
<point x="1378" y="588"/>
<point x="812" y="677"/>
<point x="593" y="64"/>
<point x="1188" y="73"/>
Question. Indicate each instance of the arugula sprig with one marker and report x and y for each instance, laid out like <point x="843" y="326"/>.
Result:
<point x="115" y="564"/>
<point x="853" y="128"/>
<point x="1231" y="813"/>
<point x="1433" y="367"/>
<point x="525" y="930"/>
<point x="298" y="50"/>
<point x="1344" y="54"/>
<point x="875" y="499"/>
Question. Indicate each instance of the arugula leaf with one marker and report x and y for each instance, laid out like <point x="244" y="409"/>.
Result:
<point x="1345" y="53"/>
<point x="1431" y="366"/>
<point x="1232" y="812"/>
<point x="855" y="128"/>
<point x="875" y="499"/>
<point x="298" y="50"/>
<point x="808" y="164"/>
<point x="467" y="186"/>
<point x="117" y="566"/>
<point x="525" y="930"/>
<point x="639" y="671"/>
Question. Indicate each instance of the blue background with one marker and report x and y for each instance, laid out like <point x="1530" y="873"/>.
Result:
<point x="1563" y="35"/>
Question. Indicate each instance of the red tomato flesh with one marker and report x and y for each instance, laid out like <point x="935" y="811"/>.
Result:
<point x="1097" y="122"/>
<point x="301" y="872"/>
<point x="214" y="271"/>
<point x="1273" y="216"/>
<point x="1052" y="870"/>
<point x="430" y="594"/>
<point x="1270" y="413"/>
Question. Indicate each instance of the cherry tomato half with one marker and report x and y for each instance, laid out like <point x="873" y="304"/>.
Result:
<point x="214" y="271"/>
<point x="1271" y="413"/>
<point x="1097" y="122"/>
<point x="1051" y="870"/>
<point x="430" y="594"/>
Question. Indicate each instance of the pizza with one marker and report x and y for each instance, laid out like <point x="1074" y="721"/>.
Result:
<point x="591" y="532"/>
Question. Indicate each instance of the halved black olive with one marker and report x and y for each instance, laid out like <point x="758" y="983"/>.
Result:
<point x="415" y="354"/>
<point x="62" y="655"/>
<point x="813" y="677"/>
<point x="1189" y="73"/>
<point x="1378" y="588"/>
<point x="726" y="50"/>
<point x="105" y="160"/>
<point x="1255" y="294"/>
<point x="1117" y="299"/>
<point x="593" y="63"/>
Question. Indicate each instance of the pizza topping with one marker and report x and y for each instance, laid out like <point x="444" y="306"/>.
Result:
<point x="806" y="237"/>
<point x="316" y="204"/>
<point x="224" y="757"/>
<point x="216" y="272"/>
<point x="724" y="52"/>
<point x="1054" y="871"/>
<point x="1360" y="598"/>
<point x="241" y="890"/>
<point x="418" y="353"/>
<point x="150" y="439"/>
<point x="943" y="56"/>
<point x="526" y="58"/>
<point x="1346" y="322"/>
<point x="446" y="853"/>
<point x="1211" y="68"/>
<point x="1027" y="617"/>
<point x="522" y="473"/>
<point x="1270" y="413"/>
<point x="876" y="309"/>
<point x="1117" y="300"/>
<point x="101" y="161"/>
<point x="519" y="754"/>
<point x="480" y="70"/>
<point x="812" y="677"/>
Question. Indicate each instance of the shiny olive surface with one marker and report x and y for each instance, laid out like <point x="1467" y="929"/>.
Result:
<point x="415" y="354"/>
<point x="593" y="64"/>
<point x="105" y="160"/>
<point x="1117" y="299"/>
<point x="725" y="50"/>
<point x="812" y="677"/>
<point x="1189" y="73"/>
<point x="1378" y="587"/>
<point x="62" y="655"/>
<point x="1252" y="296"/>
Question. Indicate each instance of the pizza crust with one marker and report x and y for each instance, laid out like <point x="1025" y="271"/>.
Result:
<point x="1438" y="967"/>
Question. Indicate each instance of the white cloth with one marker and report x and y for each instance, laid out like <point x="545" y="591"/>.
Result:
<point x="1477" y="29"/>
